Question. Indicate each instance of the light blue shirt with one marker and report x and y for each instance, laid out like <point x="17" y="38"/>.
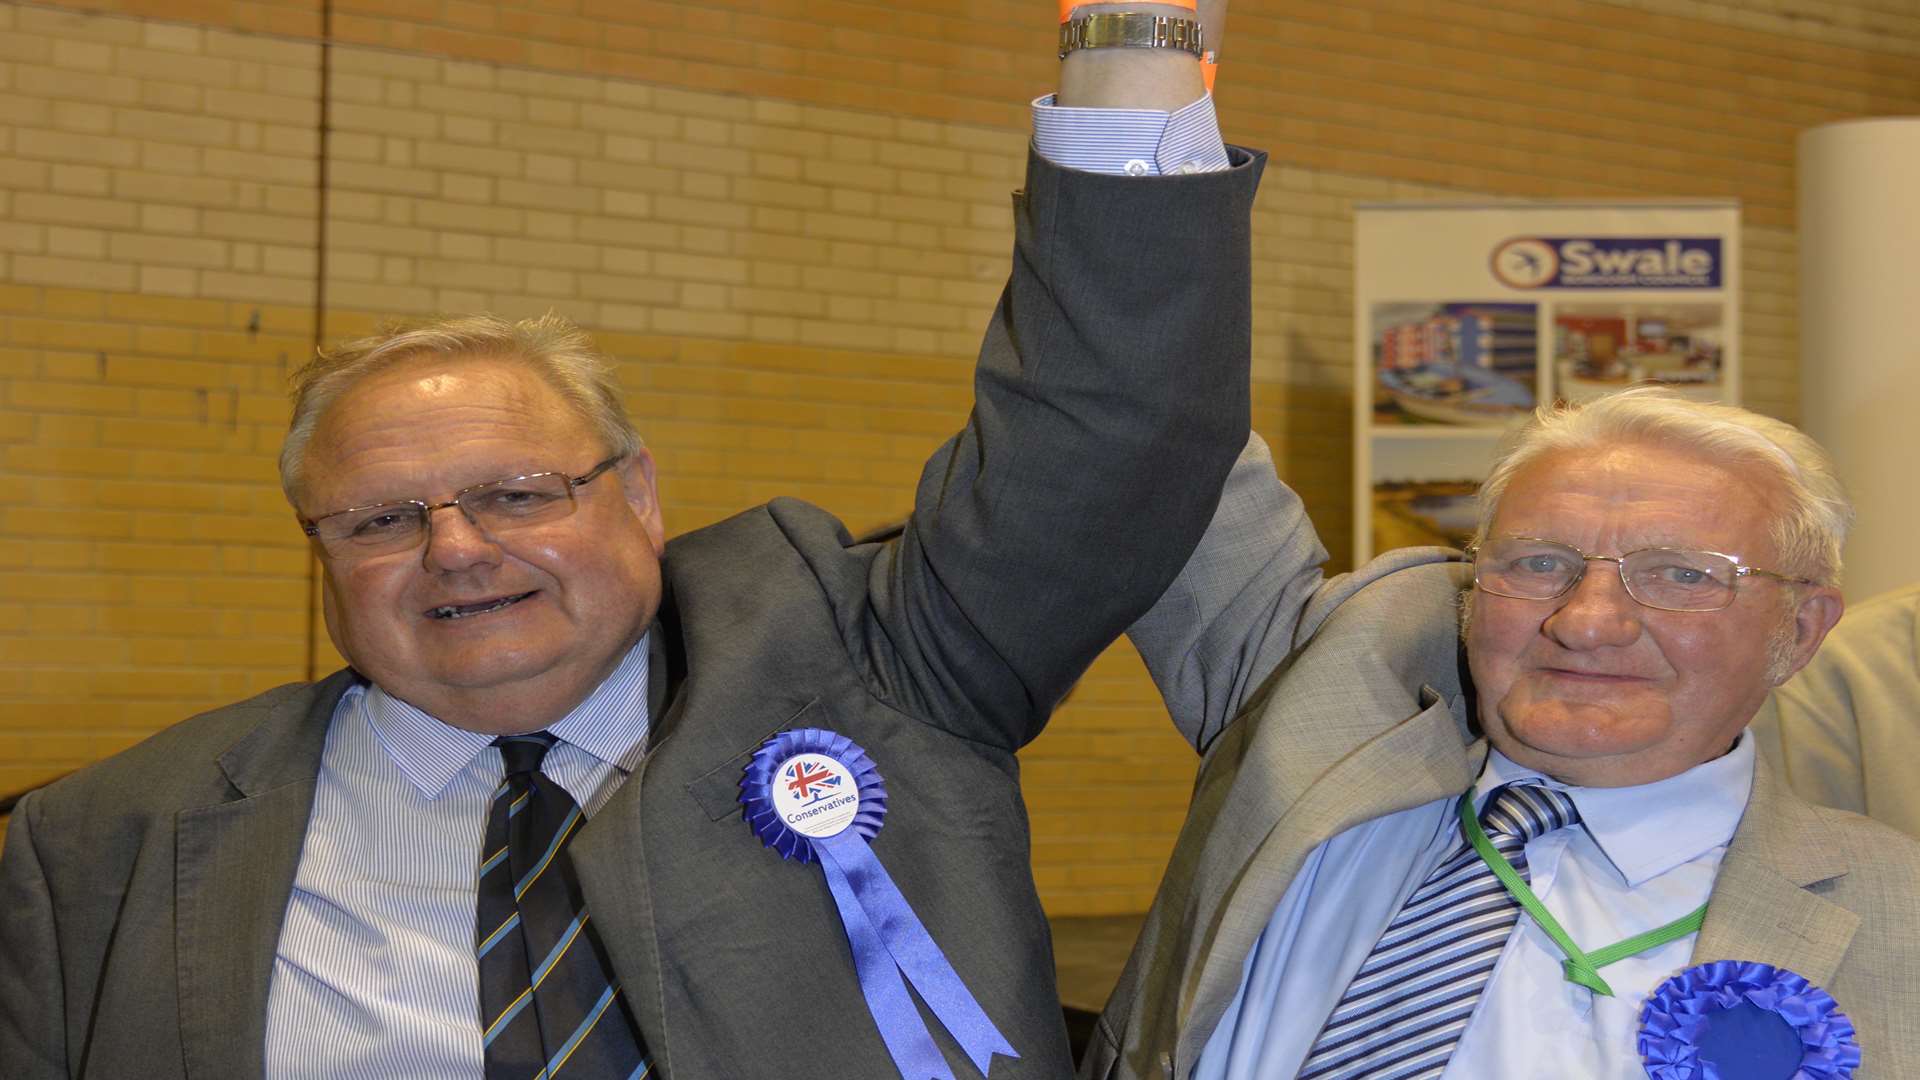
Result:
<point x="375" y="974"/>
<point x="1137" y="142"/>
<point x="1640" y="858"/>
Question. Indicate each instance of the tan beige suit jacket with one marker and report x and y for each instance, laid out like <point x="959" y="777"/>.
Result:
<point x="1845" y="732"/>
<point x="1320" y="704"/>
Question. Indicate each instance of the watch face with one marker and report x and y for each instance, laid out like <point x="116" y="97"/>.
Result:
<point x="1525" y="263"/>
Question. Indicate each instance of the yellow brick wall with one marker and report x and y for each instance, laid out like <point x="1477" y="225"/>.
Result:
<point x="791" y="242"/>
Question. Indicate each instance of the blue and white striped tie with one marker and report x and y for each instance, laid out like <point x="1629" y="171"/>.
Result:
<point x="1404" y="1012"/>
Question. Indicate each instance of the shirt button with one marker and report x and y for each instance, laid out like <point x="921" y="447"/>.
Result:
<point x="1136" y="167"/>
<point x="1189" y="168"/>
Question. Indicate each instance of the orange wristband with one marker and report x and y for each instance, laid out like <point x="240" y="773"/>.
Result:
<point x="1209" y="70"/>
<point x="1068" y="7"/>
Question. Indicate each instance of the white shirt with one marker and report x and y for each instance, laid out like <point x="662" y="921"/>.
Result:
<point x="375" y="974"/>
<point x="1641" y="857"/>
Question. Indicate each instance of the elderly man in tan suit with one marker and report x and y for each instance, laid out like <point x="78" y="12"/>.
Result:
<point x="1646" y="571"/>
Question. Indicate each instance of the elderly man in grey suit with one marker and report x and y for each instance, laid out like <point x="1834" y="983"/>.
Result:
<point x="1390" y="870"/>
<point x="510" y="840"/>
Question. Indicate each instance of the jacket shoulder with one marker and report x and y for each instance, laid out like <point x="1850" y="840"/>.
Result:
<point x="771" y="557"/>
<point x="178" y="766"/>
<point x="1400" y="613"/>
<point x="1392" y="590"/>
<point x="782" y="525"/>
<point x="1880" y="854"/>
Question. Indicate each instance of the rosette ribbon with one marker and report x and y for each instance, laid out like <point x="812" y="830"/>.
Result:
<point x="891" y="947"/>
<point x="1740" y="1020"/>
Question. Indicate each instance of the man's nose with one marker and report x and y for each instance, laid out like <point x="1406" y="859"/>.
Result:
<point x="1597" y="612"/>
<point x="455" y="542"/>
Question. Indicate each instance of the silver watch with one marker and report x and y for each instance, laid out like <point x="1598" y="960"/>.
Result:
<point x="1131" y="30"/>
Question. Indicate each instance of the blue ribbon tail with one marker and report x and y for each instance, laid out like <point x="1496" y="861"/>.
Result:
<point x="912" y="948"/>
<point x="894" y="1012"/>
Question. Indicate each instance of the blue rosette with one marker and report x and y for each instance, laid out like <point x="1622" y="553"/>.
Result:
<point x="757" y="786"/>
<point x="1741" y="1020"/>
<point x="814" y="796"/>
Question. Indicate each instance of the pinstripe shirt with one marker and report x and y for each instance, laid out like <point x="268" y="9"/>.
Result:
<point x="375" y="973"/>
<point x="1138" y="142"/>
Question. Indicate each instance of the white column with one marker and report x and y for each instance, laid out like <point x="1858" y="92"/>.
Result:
<point x="1860" y="332"/>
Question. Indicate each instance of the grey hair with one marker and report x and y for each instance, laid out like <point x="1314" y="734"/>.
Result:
<point x="551" y="346"/>
<point x="1810" y="525"/>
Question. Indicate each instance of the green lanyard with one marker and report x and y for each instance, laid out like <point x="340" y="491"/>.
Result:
<point x="1580" y="967"/>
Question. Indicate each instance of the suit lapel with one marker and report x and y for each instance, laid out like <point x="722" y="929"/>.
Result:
<point x="610" y="853"/>
<point x="1761" y="908"/>
<point x="1371" y="782"/>
<point x="233" y="877"/>
<point x="234" y="866"/>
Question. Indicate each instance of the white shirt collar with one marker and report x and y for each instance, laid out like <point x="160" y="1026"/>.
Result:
<point x="611" y="724"/>
<point x="1649" y="829"/>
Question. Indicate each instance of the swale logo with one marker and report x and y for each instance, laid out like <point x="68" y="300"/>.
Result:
<point x="1608" y="262"/>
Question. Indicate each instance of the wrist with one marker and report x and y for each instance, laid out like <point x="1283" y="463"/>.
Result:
<point x="1147" y="60"/>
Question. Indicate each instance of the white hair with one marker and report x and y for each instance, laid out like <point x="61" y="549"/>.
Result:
<point x="551" y="346"/>
<point x="1812" y="517"/>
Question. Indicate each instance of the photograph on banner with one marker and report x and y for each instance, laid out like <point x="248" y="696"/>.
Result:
<point x="1425" y="491"/>
<point x="1468" y="316"/>
<point x="1602" y="347"/>
<point x="1455" y="362"/>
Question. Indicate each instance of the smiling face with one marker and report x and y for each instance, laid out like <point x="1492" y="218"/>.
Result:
<point x="1591" y="687"/>
<point x="498" y="634"/>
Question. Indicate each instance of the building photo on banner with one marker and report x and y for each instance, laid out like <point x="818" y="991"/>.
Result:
<point x="1468" y="316"/>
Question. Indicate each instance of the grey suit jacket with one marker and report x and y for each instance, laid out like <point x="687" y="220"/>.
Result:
<point x="143" y="896"/>
<point x="1320" y="704"/>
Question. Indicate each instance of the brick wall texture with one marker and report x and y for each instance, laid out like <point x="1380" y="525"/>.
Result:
<point x="787" y="219"/>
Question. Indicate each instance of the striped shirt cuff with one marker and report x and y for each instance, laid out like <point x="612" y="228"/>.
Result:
<point x="1136" y="142"/>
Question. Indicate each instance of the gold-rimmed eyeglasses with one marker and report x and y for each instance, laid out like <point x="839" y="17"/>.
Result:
<point x="1669" y="579"/>
<point x="494" y="507"/>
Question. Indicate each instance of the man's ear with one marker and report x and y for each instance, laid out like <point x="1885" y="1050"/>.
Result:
<point x="642" y="494"/>
<point x="1815" y="613"/>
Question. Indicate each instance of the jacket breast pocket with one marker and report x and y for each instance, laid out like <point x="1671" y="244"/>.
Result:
<point x="717" y="790"/>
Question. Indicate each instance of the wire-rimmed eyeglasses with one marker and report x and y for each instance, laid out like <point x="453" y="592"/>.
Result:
<point x="495" y="507"/>
<point x="1669" y="579"/>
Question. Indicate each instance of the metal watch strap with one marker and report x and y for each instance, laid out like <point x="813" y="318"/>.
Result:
<point x="1131" y="30"/>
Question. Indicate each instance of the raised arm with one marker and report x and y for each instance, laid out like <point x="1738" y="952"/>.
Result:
<point x="1233" y="613"/>
<point x="1111" y="398"/>
<point x="1253" y="595"/>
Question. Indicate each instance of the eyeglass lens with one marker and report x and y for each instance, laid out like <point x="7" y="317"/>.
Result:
<point x="1657" y="577"/>
<point x="496" y="508"/>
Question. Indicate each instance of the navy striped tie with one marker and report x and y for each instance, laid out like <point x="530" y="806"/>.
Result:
<point x="1404" y="1012"/>
<point x="549" y="1005"/>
